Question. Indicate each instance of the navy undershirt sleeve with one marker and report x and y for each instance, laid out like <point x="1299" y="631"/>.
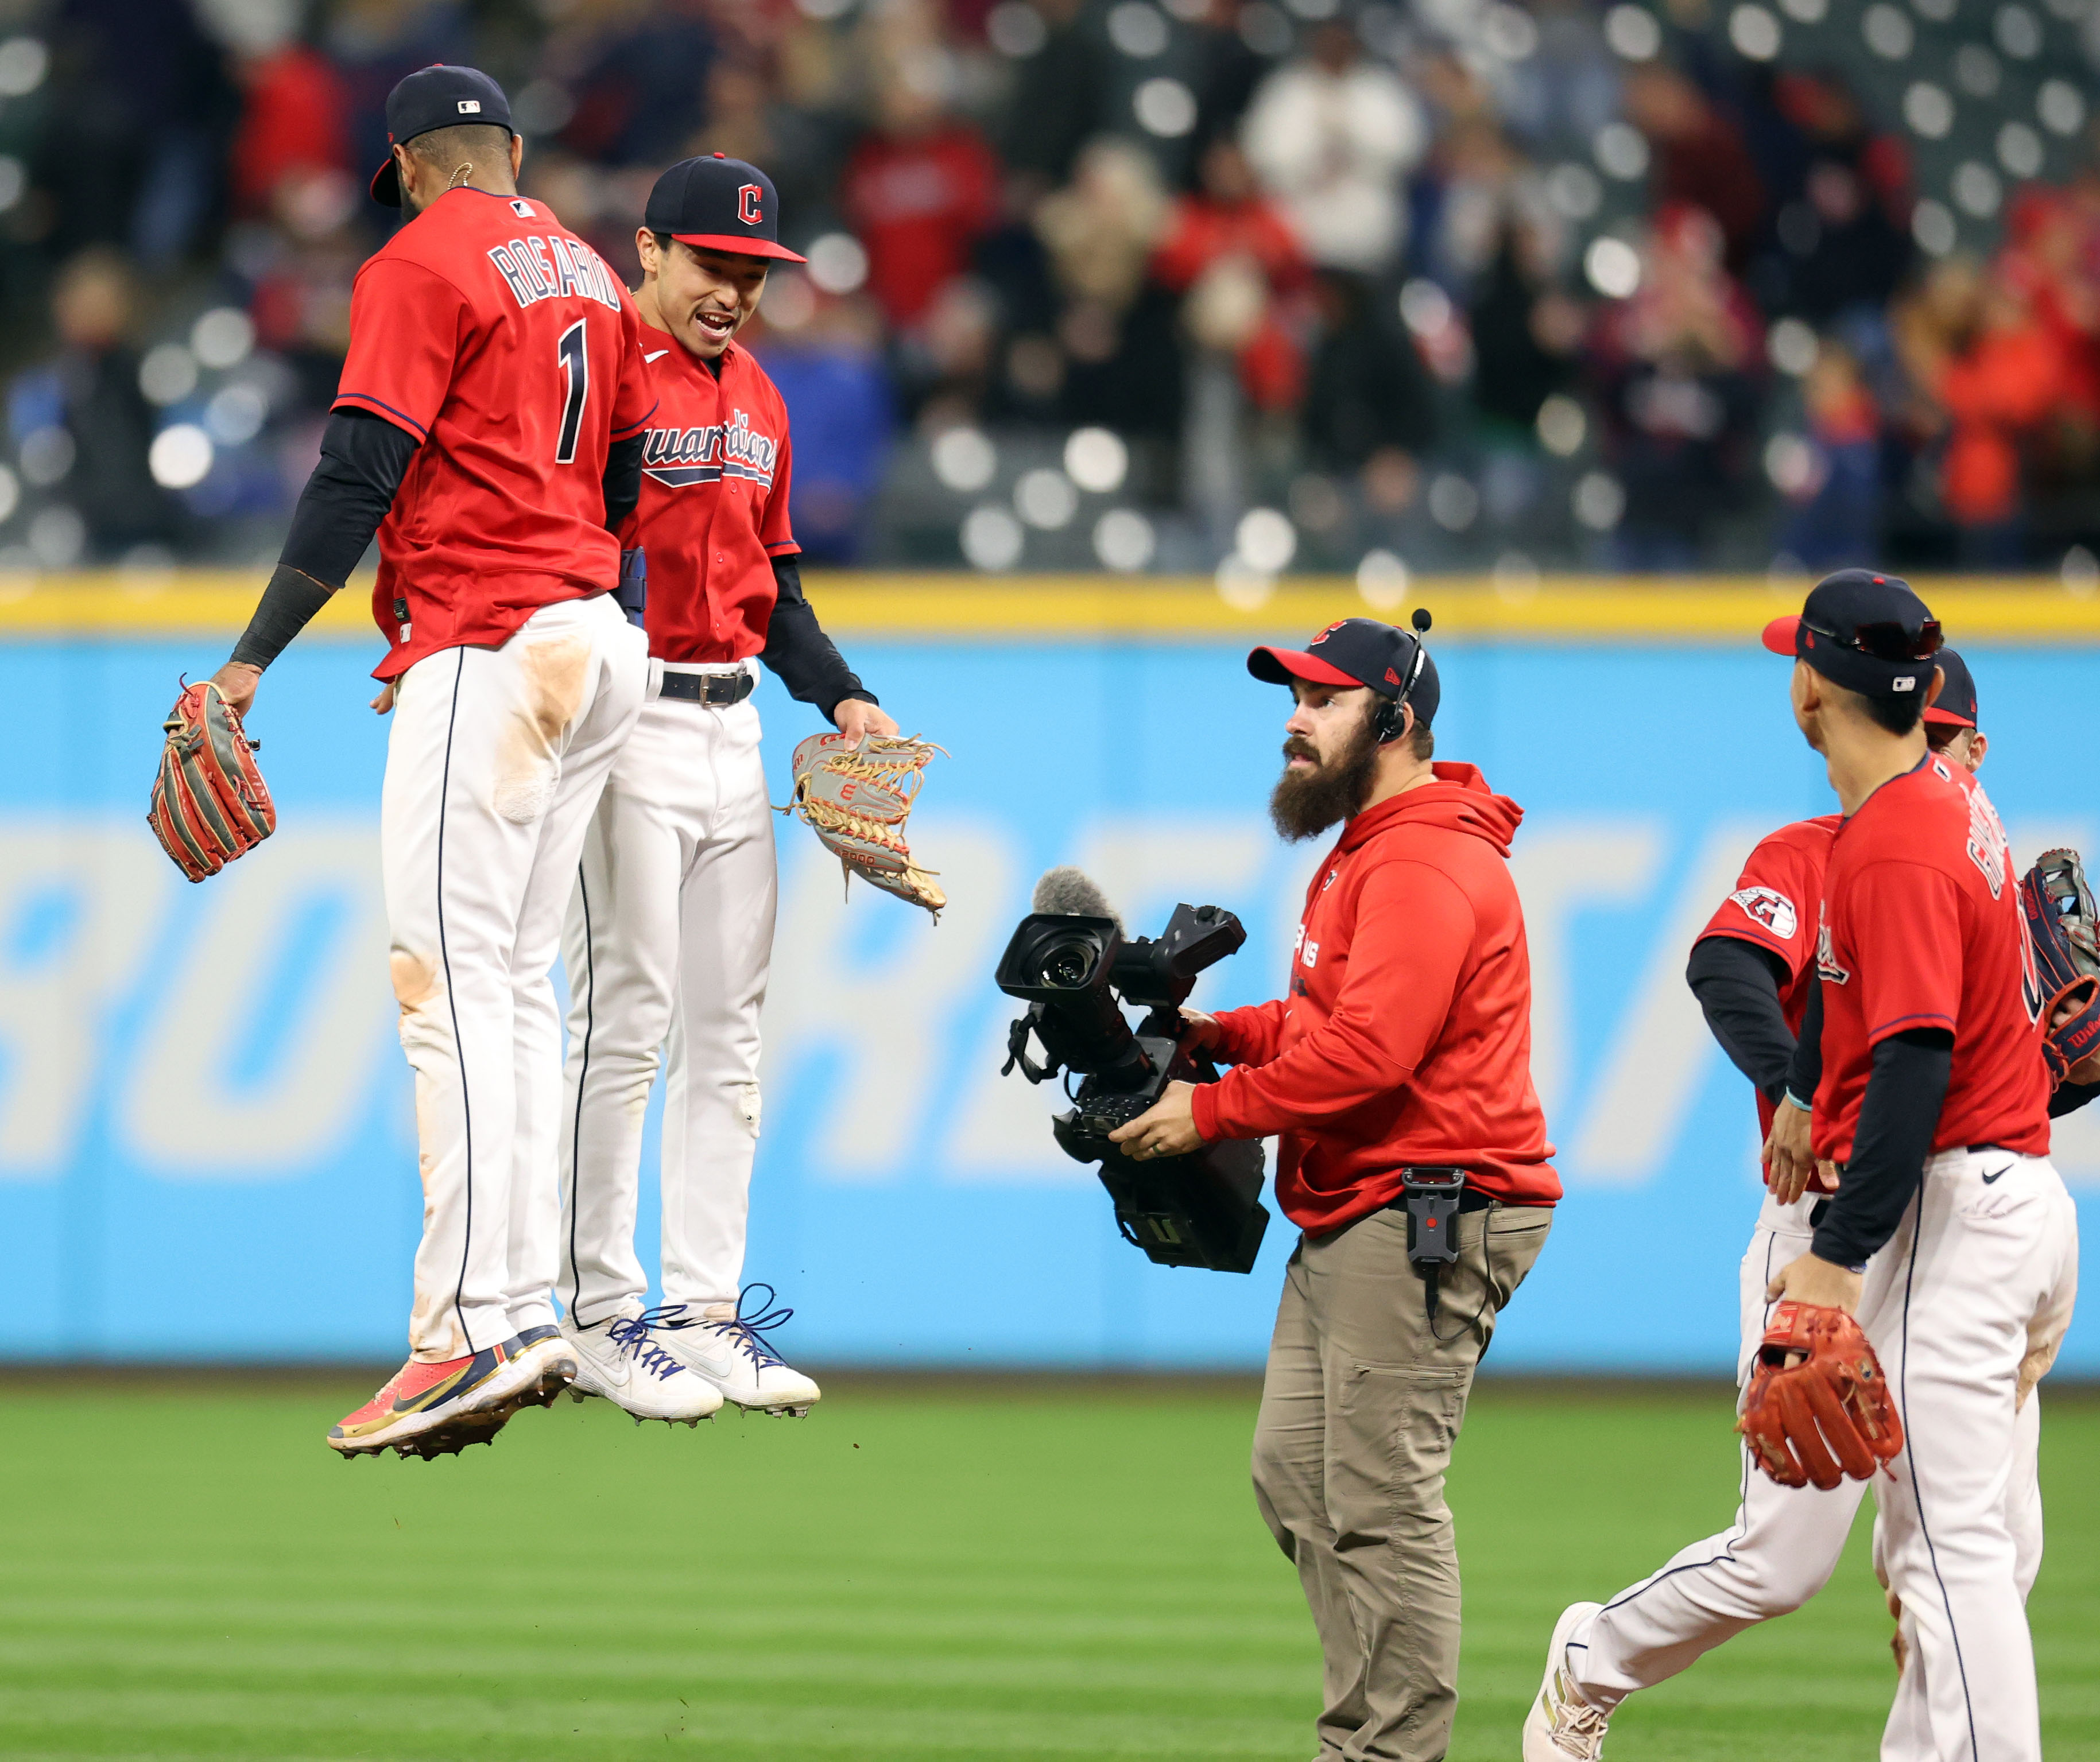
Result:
<point x="1806" y="1072"/>
<point x="807" y="661"/>
<point x="622" y="480"/>
<point x="363" y="458"/>
<point x="2070" y="1097"/>
<point x="1737" y="984"/>
<point x="1898" y="1116"/>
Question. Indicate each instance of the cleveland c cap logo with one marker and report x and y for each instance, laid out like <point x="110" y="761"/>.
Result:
<point x="749" y="209"/>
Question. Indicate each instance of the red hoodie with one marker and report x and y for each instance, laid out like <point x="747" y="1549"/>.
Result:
<point x="1406" y="1037"/>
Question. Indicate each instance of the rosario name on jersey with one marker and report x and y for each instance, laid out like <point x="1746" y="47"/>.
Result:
<point x="716" y="462"/>
<point x="507" y="348"/>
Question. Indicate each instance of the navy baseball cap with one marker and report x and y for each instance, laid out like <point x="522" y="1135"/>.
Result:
<point x="1361" y="651"/>
<point x="1869" y="634"/>
<point x="1956" y="705"/>
<point x="435" y="97"/>
<point x="719" y="204"/>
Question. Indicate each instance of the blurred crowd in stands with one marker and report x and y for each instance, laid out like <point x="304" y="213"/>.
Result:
<point x="1234" y="285"/>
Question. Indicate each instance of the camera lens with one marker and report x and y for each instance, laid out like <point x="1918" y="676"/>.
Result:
<point x="1067" y="964"/>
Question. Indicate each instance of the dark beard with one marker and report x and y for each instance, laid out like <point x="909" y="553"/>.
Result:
<point x="1304" y="804"/>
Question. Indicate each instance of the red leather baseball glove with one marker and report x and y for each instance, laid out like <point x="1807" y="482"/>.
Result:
<point x="1826" y="1417"/>
<point x="210" y="803"/>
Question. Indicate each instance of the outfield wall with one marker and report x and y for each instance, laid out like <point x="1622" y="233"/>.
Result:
<point x="205" y="1142"/>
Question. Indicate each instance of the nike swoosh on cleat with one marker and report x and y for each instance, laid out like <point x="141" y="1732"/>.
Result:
<point x="658" y="356"/>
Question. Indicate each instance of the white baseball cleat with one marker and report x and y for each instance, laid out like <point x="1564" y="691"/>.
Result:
<point x="1562" y="1726"/>
<point x="727" y="1349"/>
<point x="622" y="1360"/>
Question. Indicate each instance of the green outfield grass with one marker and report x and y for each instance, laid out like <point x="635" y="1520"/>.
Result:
<point x="1003" y="1571"/>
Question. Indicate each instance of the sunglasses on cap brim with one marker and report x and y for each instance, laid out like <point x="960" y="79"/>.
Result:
<point x="1887" y="641"/>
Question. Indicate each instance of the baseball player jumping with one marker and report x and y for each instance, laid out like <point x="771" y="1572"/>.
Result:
<point x="1752" y="973"/>
<point x="670" y="931"/>
<point x="487" y="425"/>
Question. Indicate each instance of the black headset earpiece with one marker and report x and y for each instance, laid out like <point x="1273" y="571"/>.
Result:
<point x="1392" y="717"/>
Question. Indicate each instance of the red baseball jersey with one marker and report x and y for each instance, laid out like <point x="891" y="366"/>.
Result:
<point x="1777" y="904"/>
<point x="1922" y="928"/>
<point x="502" y="342"/>
<point x="1406" y="1035"/>
<point x="713" y="513"/>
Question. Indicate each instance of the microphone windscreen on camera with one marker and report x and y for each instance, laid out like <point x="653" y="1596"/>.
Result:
<point x="1072" y="892"/>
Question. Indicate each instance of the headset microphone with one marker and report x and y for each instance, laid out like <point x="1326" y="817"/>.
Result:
<point x="1390" y="719"/>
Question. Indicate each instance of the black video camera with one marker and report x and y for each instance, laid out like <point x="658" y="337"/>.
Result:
<point x="1076" y="973"/>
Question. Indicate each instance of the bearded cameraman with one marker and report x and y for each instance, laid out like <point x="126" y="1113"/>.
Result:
<point x="1413" y="1155"/>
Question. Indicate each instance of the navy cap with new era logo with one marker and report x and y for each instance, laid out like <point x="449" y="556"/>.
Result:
<point x="1361" y="651"/>
<point x="432" y="98"/>
<point x="1869" y="634"/>
<point x="716" y="203"/>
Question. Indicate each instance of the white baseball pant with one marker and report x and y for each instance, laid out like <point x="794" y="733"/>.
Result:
<point x="667" y="944"/>
<point x="494" y="764"/>
<point x="1969" y="1297"/>
<point x="1780" y="1552"/>
<point x="1908" y="1737"/>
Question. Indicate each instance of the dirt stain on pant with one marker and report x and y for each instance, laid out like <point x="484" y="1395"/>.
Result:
<point x="552" y="676"/>
<point x="415" y="978"/>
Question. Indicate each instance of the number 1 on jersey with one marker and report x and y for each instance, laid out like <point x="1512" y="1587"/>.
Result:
<point x="576" y="375"/>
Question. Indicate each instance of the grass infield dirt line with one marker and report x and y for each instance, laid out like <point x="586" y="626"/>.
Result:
<point x="958" y="1570"/>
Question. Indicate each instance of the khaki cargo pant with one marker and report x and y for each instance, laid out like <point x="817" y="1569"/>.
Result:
<point x="1358" y="1412"/>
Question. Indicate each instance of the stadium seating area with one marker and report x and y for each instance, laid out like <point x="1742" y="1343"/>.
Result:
<point x="1189" y="285"/>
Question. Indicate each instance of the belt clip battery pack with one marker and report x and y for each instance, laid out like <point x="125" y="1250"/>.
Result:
<point x="1432" y="1197"/>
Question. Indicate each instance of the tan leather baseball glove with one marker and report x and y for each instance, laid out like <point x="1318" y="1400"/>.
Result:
<point x="856" y="796"/>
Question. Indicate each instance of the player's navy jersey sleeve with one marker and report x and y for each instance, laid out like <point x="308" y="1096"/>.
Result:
<point x="774" y="532"/>
<point x="634" y="401"/>
<point x="407" y="327"/>
<point x="1906" y="936"/>
<point x="1773" y="904"/>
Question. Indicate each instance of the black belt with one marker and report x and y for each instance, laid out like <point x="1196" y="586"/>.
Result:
<point x="718" y="689"/>
<point x="1471" y="1200"/>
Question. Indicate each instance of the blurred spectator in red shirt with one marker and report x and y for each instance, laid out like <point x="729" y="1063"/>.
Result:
<point x="1972" y="346"/>
<point x="1227" y="227"/>
<point x="919" y="190"/>
<point x="2052" y="256"/>
<point x="293" y="106"/>
<point x="1699" y="160"/>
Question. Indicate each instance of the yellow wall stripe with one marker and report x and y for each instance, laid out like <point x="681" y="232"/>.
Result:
<point x="977" y="608"/>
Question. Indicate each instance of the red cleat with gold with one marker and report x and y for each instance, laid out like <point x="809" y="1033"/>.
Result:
<point x="438" y="1410"/>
